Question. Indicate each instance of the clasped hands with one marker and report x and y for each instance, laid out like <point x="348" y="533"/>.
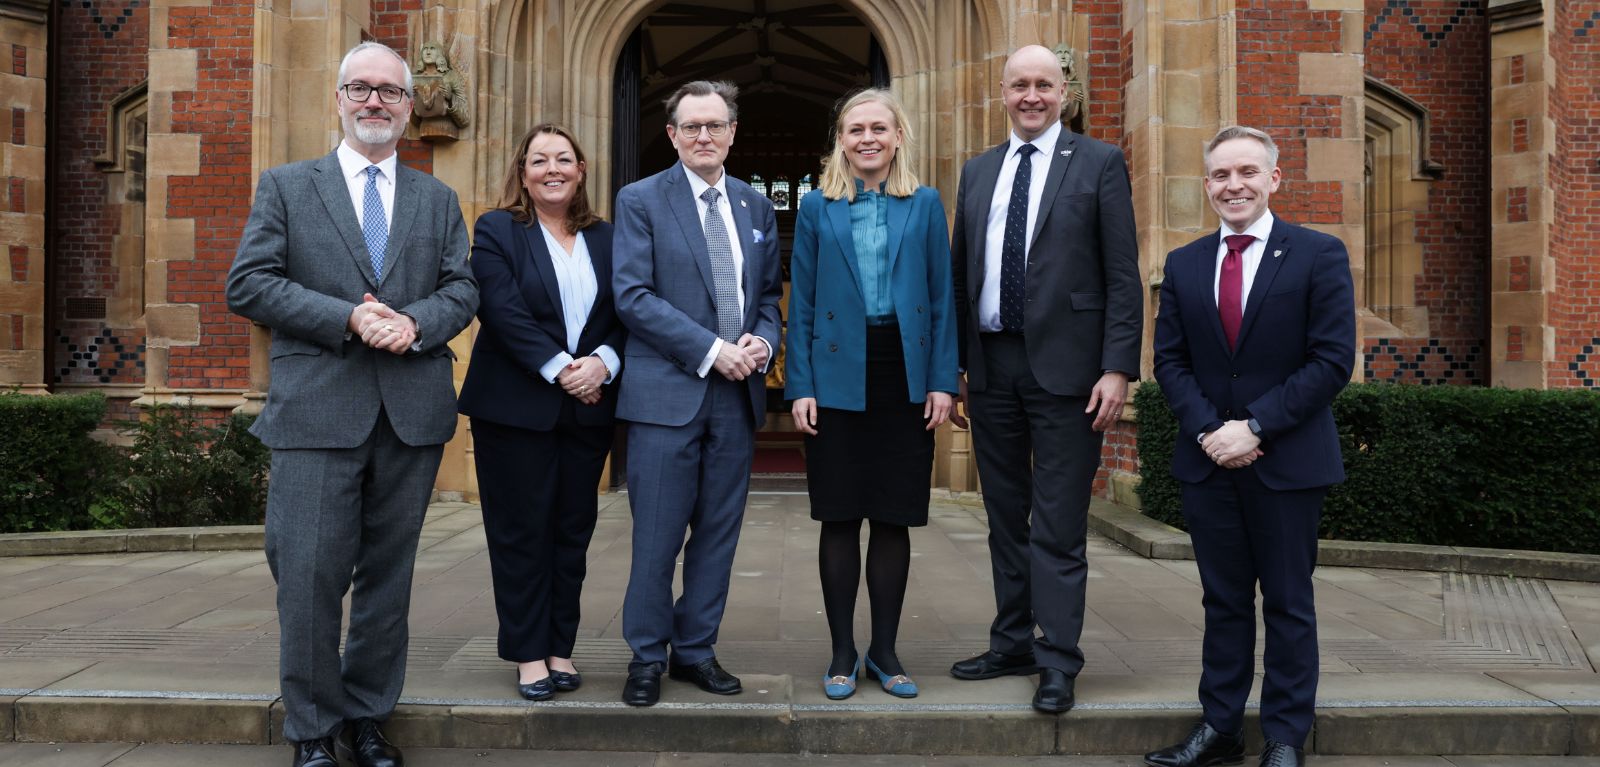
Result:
<point x="938" y="408"/>
<point x="737" y="362"/>
<point x="582" y="378"/>
<point x="1233" y="446"/>
<point x="381" y="327"/>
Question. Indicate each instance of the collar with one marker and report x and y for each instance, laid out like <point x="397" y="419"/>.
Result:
<point x="861" y="186"/>
<point x="1261" y="229"/>
<point x="1045" y="143"/>
<point x="699" y="186"/>
<point x="353" y="164"/>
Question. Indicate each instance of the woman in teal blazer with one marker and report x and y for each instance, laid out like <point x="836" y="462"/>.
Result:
<point x="871" y="370"/>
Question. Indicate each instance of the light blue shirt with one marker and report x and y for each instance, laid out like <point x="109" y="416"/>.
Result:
<point x="578" y="287"/>
<point x="869" y="233"/>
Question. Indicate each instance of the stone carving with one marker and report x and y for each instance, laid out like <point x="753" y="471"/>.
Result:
<point x="1075" y="107"/>
<point x="441" y="109"/>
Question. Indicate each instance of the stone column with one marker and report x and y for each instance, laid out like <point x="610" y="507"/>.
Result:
<point x="23" y="40"/>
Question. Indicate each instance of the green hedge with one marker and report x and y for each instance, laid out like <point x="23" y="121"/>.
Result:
<point x="179" y="470"/>
<point x="1445" y="465"/>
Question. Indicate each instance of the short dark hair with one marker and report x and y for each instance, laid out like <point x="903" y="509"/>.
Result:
<point x="728" y="91"/>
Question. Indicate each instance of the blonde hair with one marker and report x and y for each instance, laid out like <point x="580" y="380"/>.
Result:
<point x="837" y="179"/>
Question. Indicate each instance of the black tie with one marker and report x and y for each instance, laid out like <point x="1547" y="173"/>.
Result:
<point x="1013" y="249"/>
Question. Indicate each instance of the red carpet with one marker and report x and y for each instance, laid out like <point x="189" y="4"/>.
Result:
<point x="779" y="452"/>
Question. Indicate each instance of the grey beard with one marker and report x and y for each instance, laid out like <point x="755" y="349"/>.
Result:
<point x="378" y="134"/>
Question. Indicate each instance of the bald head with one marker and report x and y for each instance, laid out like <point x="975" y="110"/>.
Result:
<point x="1031" y="82"/>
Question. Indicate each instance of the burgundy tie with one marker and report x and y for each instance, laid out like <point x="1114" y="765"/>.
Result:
<point x="1230" y="288"/>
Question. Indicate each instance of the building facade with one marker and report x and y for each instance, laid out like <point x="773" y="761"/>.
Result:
<point x="1454" y="145"/>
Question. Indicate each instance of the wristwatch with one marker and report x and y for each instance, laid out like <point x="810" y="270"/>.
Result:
<point x="1255" y="426"/>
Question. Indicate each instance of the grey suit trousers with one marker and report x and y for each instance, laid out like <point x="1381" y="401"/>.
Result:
<point x="345" y="520"/>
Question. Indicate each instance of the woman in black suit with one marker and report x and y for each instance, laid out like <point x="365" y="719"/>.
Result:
<point x="539" y="395"/>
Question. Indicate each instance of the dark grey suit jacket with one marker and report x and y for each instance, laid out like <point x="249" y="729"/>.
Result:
<point x="301" y="269"/>
<point x="1085" y="309"/>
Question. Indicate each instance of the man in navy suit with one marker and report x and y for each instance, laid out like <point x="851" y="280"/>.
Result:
<point x="1255" y="335"/>
<point x="697" y="283"/>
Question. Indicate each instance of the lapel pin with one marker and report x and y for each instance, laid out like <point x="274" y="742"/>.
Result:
<point x="743" y="204"/>
<point x="1277" y="253"/>
<point x="1066" y="153"/>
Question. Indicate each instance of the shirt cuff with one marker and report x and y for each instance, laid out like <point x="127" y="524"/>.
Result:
<point x="553" y="368"/>
<point x="608" y="356"/>
<point x="711" y="356"/>
<point x="770" y="355"/>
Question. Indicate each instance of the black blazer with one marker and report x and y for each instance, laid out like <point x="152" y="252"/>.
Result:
<point x="523" y="327"/>
<point x="1085" y="300"/>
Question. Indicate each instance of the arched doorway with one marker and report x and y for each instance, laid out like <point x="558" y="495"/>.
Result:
<point x="793" y="60"/>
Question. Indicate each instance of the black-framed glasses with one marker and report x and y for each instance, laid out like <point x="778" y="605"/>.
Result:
<point x="716" y="130"/>
<point x="388" y="94"/>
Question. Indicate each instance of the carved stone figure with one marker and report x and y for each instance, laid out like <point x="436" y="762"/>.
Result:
<point x="1075" y="108"/>
<point x="441" y="109"/>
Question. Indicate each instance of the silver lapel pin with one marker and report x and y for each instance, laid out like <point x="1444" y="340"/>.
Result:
<point x="743" y="204"/>
<point x="1066" y="153"/>
<point x="1277" y="253"/>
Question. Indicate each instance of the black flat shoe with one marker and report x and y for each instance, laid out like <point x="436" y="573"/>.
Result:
<point x="643" y="687"/>
<point x="315" y="753"/>
<point x="542" y="689"/>
<point x="368" y="747"/>
<point x="707" y="675"/>
<point x="993" y="664"/>
<point x="1055" y="693"/>
<point x="565" y="682"/>
<point x="1203" y="748"/>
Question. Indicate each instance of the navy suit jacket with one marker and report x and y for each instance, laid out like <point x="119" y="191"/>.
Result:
<point x="1295" y="352"/>
<point x="523" y="327"/>
<point x="667" y="299"/>
<point x="827" y="353"/>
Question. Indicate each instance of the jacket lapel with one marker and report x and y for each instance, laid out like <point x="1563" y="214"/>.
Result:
<point x="1065" y="147"/>
<point x="600" y="260"/>
<point x="838" y="212"/>
<point x="977" y="213"/>
<point x="680" y="197"/>
<point x="899" y="211"/>
<point x="335" y="193"/>
<point x="1277" y="249"/>
<point x="539" y="253"/>
<point x="406" y="204"/>
<point x="1205" y="280"/>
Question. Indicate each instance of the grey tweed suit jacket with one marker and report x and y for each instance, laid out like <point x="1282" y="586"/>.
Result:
<point x="301" y="269"/>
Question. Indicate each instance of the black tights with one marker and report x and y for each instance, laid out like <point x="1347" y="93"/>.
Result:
<point x="888" y="562"/>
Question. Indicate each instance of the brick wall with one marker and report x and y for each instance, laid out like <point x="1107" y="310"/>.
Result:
<point x="1575" y="179"/>
<point x="1107" y="69"/>
<point x="1436" y="52"/>
<point x="103" y="53"/>
<point x="391" y="26"/>
<point x="23" y="38"/>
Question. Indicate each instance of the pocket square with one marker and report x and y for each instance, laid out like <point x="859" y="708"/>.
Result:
<point x="757" y="235"/>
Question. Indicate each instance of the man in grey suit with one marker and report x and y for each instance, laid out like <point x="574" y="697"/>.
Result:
<point x="1049" y="308"/>
<point x="697" y="282"/>
<point x="361" y="401"/>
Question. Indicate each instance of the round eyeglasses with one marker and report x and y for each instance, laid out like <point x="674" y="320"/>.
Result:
<point x="388" y="94"/>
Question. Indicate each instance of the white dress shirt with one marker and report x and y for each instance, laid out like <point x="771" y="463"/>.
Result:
<point x="698" y="186"/>
<point x="999" y="205"/>
<point x="354" y="167"/>
<point x="1250" y="258"/>
<point x="579" y="288"/>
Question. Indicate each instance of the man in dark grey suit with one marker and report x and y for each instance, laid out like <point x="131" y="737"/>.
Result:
<point x="697" y="282"/>
<point x="361" y="401"/>
<point x="1049" y="308"/>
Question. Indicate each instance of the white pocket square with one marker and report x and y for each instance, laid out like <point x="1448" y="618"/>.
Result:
<point x="757" y="235"/>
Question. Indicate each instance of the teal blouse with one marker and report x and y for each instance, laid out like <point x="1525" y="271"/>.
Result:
<point x="869" y="233"/>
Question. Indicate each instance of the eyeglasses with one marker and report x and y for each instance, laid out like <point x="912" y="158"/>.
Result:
<point x="692" y="130"/>
<point x="388" y="94"/>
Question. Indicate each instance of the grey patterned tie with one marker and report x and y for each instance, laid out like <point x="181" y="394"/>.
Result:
<point x="723" y="275"/>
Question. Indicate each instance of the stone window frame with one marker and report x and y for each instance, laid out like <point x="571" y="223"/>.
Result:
<point x="1398" y="176"/>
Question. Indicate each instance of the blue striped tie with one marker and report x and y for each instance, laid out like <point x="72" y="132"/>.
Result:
<point x="374" y="226"/>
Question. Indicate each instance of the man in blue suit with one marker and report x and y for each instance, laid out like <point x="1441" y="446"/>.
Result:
<point x="697" y="282"/>
<point x="1255" y="335"/>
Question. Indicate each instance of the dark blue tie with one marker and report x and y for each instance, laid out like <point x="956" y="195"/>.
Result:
<point x="1013" y="248"/>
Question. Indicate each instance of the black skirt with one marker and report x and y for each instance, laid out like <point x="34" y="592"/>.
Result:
<point x="874" y="464"/>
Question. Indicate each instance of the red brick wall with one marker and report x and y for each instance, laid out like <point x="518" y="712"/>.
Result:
<point x="1438" y="56"/>
<point x="391" y="26"/>
<point x="1575" y="181"/>
<point x="103" y="52"/>
<point x="1106" y="69"/>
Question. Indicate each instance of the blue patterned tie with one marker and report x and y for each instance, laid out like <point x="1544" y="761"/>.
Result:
<point x="374" y="227"/>
<point x="1013" y="248"/>
<point x="723" y="275"/>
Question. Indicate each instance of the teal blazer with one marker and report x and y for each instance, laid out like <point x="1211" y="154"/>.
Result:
<point x="827" y="338"/>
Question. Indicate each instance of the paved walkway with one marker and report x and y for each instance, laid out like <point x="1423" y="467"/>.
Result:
<point x="1437" y="648"/>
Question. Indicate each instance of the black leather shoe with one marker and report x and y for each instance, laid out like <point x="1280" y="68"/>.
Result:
<point x="541" y="689"/>
<point x="1204" y="747"/>
<point x="1281" y="755"/>
<point x="707" y="675"/>
<point x="992" y="664"/>
<point x="315" y="753"/>
<point x="1054" y="695"/>
<point x="368" y="747"/>
<point x="565" y="682"/>
<point x="643" y="687"/>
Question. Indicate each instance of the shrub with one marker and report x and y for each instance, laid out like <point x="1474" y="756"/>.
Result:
<point x="1443" y="465"/>
<point x="51" y="470"/>
<point x="183" y="472"/>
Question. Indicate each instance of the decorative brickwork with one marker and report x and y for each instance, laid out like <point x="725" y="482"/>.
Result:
<point x="1575" y="185"/>
<point x="108" y="357"/>
<point x="1424" y="361"/>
